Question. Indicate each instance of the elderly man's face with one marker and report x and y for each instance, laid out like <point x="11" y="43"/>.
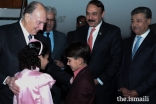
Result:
<point x="50" y="21"/>
<point x="36" y="20"/>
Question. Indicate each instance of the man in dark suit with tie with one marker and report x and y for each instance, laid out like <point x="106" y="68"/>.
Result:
<point x="58" y="43"/>
<point x="106" y="52"/>
<point x="14" y="37"/>
<point x="137" y="75"/>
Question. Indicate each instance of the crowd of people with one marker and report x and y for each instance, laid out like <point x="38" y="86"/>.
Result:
<point x="102" y="65"/>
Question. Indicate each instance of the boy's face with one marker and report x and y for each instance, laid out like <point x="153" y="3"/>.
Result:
<point x="44" y="60"/>
<point x="74" y="63"/>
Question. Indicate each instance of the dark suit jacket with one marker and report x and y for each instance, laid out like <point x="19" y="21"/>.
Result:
<point x="82" y="90"/>
<point x="140" y="73"/>
<point x="11" y="42"/>
<point x="106" y="57"/>
<point x="60" y="44"/>
<point x="71" y="37"/>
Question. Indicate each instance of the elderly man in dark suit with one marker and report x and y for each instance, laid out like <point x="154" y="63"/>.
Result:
<point x="106" y="45"/>
<point x="137" y="75"/>
<point x="14" y="37"/>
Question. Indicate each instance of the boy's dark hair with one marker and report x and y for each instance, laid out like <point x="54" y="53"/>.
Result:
<point x="28" y="56"/>
<point x="78" y="50"/>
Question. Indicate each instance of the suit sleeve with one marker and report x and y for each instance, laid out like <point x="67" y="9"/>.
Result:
<point x="115" y="57"/>
<point x="118" y="78"/>
<point x="58" y="74"/>
<point x="149" y="83"/>
<point x="2" y="76"/>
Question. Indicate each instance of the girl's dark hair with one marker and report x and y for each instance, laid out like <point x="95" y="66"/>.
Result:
<point x="28" y="56"/>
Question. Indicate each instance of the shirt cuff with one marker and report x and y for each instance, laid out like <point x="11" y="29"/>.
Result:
<point x="5" y="80"/>
<point x="101" y="83"/>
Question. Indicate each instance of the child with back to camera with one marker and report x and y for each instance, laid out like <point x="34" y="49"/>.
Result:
<point x="82" y="90"/>
<point x="34" y="85"/>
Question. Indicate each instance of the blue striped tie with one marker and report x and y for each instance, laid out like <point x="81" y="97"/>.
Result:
<point x="136" y="46"/>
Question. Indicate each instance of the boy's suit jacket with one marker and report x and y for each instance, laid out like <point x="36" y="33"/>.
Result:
<point x="82" y="90"/>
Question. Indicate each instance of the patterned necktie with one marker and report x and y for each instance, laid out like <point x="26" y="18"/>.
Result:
<point x="49" y="41"/>
<point x="29" y="37"/>
<point x="136" y="46"/>
<point x="90" y="39"/>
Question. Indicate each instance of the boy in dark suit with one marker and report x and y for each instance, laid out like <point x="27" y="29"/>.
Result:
<point x="82" y="90"/>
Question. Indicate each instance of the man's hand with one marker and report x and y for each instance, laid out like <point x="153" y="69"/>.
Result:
<point x="59" y="63"/>
<point x="133" y="93"/>
<point x="128" y="93"/>
<point x="10" y="81"/>
<point x="96" y="82"/>
<point x="124" y="91"/>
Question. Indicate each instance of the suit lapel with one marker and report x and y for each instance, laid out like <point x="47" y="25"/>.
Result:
<point x="128" y="48"/>
<point x="80" y="73"/>
<point x="99" y="38"/>
<point x="19" y="36"/>
<point x="145" y="42"/>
